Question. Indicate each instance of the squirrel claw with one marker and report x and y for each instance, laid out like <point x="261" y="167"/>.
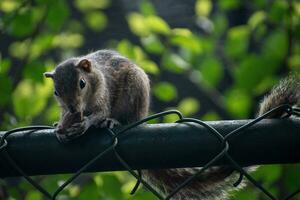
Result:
<point x="72" y="132"/>
<point x="77" y="128"/>
<point x="109" y="123"/>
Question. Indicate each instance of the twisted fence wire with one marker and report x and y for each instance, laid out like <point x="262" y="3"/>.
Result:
<point x="224" y="140"/>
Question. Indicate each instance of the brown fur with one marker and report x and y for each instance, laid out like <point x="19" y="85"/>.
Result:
<point x="116" y="91"/>
<point x="286" y="92"/>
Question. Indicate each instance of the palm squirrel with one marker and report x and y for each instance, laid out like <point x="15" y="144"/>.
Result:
<point x="100" y="89"/>
<point x="104" y="88"/>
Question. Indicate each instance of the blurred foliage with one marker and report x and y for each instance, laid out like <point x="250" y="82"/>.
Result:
<point x="233" y="52"/>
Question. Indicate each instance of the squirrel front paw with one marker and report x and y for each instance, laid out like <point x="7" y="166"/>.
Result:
<point x="72" y="132"/>
<point x="109" y="123"/>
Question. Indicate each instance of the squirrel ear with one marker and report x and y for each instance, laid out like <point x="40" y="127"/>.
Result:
<point x="85" y="64"/>
<point x="49" y="74"/>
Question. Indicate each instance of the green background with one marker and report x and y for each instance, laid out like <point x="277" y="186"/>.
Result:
<point x="209" y="59"/>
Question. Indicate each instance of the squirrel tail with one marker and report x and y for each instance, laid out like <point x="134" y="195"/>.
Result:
<point x="286" y="92"/>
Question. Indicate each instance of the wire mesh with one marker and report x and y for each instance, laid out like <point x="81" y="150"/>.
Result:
<point x="114" y="134"/>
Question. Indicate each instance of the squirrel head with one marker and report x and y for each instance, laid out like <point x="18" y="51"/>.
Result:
<point x="71" y="83"/>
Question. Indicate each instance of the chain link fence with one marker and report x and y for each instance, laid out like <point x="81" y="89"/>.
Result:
<point x="113" y="148"/>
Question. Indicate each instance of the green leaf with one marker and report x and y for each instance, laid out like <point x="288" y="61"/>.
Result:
<point x="147" y="8"/>
<point x="275" y="46"/>
<point x="52" y="114"/>
<point x="174" y="63"/>
<point x="188" y="55"/>
<point x="128" y="185"/>
<point x="4" y="65"/>
<point x="260" y="32"/>
<point x="68" y="40"/>
<point x="229" y="4"/>
<point x="57" y="14"/>
<point x="5" y="90"/>
<point x="211" y="71"/>
<point x="296" y="7"/>
<point x="260" y="3"/>
<point x="40" y="45"/>
<point x="149" y="66"/>
<point x="238" y="103"/>
<point x="19" y="49"/>
<point x="23" y="24"/>
<point x="29" y="98"/>
<point x="112" y="187"/>
<point x="238" y="32"/>
<point x="245" y="195"/>
<point x="152" y="44"/>
<point x="53" y="182"/>
<point x="253" y="70"/>
<point x="182" y="32"/>
<point x="157" y="25"/>
<point x="265" y="85"/>
<point x="209" y="45"/>
<point x="268" y="174"/>
<point x="291" y="177"/>
<point x="34" y="71"/>
<point x="133" y="52"/>
<point x="203" y="7"/>
<point x="189" y="106"/>
<point x="184" y="38"/>
<point x="14" y="193"/>
<point x="249" y="73"/>
<point x="33" y="195"/>
<point x="126" y="48"/>
<point x="236" y="44"/>
<point x="138" y="54"/>
<point x="43" y="2"/>
<point x="8" y="6"/>
<point x="88" y="5"/>
<point x="74" y="190"/>
<point x="220" y="24"/>
<point x="165" y="91"/>
<point x="97" y="20"/>
<point x="137" y="24"/>
<point x="278" y="10"/>
<point x="294" y="62"/>
<point x="210" y="116"/>
<point x="89" y="191"/>
<point x="256" y="18"/>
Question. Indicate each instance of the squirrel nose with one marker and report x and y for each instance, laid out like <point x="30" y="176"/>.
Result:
<point x="72" y="109"/>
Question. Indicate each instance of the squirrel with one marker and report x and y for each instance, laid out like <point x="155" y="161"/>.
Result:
<point x="101" y="89"/>
<point x="106" y="89"/>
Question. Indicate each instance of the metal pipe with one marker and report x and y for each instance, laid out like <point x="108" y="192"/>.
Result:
<point x="154" y="146"/>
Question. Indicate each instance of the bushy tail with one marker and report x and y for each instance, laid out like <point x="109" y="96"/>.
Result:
<point x="286" y="92"/>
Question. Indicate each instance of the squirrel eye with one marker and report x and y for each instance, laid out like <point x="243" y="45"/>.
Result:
<point x="82" y="83"/>
<point x="55" y="93"/>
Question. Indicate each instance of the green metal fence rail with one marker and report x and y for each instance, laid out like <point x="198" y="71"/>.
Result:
<point x="154" y="146"/>
<point x="189" y="142"/>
